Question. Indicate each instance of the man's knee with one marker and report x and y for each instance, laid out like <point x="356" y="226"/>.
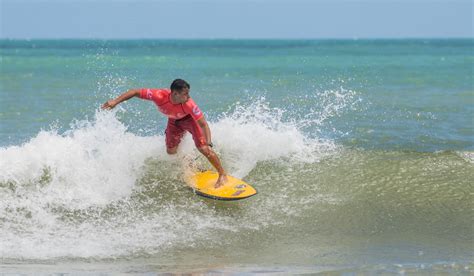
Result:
<point x="172" y="150"/>
<point x="205" y="150"/>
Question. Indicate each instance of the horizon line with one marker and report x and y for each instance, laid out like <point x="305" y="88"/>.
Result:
<point x="242" y="38"/>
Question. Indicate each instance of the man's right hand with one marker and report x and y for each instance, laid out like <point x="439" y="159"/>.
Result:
<point x="125" y="96"/>
<point x="109" y="104"/>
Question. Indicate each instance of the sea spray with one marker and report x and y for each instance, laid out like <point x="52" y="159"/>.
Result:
<point x="257" y="132"/>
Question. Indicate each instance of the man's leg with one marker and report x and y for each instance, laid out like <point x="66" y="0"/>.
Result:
<point x="201" y="144"/>
<point x="203" y="147"/>
<point x="214" y="160"/>
<point x="173" y="136"/>
<point x="212" y="157"/>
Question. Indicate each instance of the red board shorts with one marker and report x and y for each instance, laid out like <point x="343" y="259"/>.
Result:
<point x="176" y="128"/>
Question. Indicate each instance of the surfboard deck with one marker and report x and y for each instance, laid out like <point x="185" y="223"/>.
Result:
<point x="234" y="189"/>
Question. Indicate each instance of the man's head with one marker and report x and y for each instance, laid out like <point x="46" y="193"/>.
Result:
<point x="180" y="90"/>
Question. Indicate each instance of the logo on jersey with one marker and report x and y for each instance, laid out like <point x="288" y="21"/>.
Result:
<point x="149" y="94"/>
<point x="196" y="111"/>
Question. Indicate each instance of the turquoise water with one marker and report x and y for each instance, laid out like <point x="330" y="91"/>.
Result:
<point x="361" y="150"/>
<point x="414" y="94"/>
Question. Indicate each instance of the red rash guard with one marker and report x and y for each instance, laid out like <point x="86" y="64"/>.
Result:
<point x="181" y="117"/>
<point x="162" y="99"/>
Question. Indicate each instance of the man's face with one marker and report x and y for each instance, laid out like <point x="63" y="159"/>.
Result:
<point x="182" y="95"/>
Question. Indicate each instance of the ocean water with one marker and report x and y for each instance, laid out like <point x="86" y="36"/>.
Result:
<point x="362" y="152"/>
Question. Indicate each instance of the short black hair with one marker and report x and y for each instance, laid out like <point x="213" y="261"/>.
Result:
<point x="179" y="84"/>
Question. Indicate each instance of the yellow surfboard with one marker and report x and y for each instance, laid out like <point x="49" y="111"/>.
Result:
<point x="234" y="189"/>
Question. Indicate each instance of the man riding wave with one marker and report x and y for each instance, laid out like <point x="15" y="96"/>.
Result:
<point x="183" y="115"/>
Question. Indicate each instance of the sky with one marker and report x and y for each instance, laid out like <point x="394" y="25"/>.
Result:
<point x="235" y="19"/>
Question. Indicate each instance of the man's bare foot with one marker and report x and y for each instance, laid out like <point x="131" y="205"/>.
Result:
<point x="221" y="180"/>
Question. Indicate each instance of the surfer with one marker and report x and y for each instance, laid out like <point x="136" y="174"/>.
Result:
<point x="183" y="115"/>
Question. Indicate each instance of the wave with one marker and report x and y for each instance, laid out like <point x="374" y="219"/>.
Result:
<point x="100" y="191"/>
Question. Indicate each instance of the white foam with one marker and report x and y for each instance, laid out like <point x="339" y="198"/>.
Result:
<point x="468" y="156"/>
<point x="256" y="132"/>
<point x="93" y="163"/>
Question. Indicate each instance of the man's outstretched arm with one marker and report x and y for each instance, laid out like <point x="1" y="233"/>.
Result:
<point x="125" y="96"/>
